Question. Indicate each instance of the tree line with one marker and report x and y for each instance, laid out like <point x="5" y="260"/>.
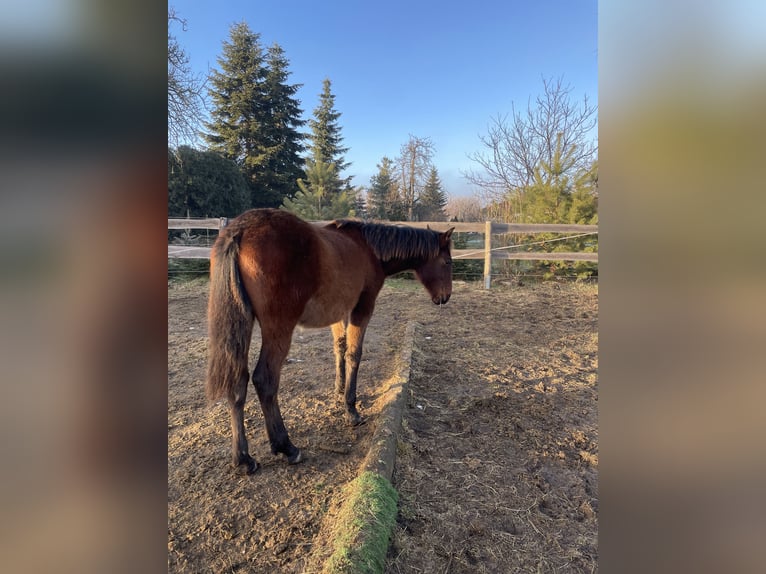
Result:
<point x="254" y="154"/>
<point x="537" y="165"/>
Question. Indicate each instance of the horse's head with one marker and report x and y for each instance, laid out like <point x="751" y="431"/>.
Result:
<point x="436" y="272"/>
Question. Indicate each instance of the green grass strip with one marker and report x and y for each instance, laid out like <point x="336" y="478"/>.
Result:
<point x="364" y="526"/>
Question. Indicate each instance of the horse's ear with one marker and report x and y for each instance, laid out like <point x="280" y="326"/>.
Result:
<point x="445" y="237"/>
<point x="428" y="227"/>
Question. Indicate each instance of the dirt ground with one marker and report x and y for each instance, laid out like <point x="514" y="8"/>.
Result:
<point x="498" y="458"/>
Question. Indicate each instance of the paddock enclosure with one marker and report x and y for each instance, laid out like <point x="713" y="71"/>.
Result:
<point x="497" y="457"/>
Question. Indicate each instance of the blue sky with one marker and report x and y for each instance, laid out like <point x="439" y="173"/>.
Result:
<point x="438" y="69"/>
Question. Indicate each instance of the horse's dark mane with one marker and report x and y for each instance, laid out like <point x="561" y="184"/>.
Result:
<point x="395" y="241"/>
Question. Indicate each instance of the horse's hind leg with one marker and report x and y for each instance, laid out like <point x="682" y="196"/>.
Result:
<point x="241" y="458"/>
<point x="266" y="377"/>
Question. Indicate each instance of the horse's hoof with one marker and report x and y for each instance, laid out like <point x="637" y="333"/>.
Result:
<point x="247" y="467"/>
<point x="354" y="420"/>
<point x="296" y="458"/>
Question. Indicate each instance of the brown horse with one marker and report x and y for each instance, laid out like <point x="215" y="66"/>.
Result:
<point x="268" y="265"/>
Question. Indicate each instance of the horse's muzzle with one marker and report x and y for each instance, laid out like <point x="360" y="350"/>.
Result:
<point x="440" y="299"/>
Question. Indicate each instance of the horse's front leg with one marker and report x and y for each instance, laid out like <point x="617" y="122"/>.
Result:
<point x="357" y="326"/>
<point x="339" y="347"/>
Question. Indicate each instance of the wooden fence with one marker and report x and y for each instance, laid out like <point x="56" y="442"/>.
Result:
<point x="487" y="253"/>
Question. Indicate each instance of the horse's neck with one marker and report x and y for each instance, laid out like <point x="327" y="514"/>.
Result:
<point x="398" y="265"/>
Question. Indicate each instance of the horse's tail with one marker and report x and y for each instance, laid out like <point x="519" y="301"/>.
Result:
<point x="230" y="320"/>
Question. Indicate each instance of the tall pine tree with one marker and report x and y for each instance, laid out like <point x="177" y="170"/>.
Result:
<point x="237" y="95"/>
<point x="326" y="139"/>
<point x="255" y="116"/>
<point x="432" y="199"/>
<point x="325" y="134"/>
<point x="284" y="142"/>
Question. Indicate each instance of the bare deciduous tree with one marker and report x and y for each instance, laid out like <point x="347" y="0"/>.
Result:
<point x="413" y="166"/>
<point x="186" y="101"/>
<point x="515" y="146"/>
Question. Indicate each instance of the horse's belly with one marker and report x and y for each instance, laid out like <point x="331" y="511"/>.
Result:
<point x="343" y="272"/>
<point x="321" y="312"/>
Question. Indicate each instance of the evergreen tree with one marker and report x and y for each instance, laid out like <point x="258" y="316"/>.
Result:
<point x="237" y="94"/>
<point x="284" y="142"/>
<point x="325" y="134"/>
<point x="308" y="202"/>
<point x="383" y="199"/>
<point x="560" y="193"/>
<point x="584" y="207"/>
<point x="548" y="198"/>
<point x="204" y="184"/>
<point x="360" y="205"/>
<point x="432" y="199"/>
<point x="255" y="116"/>
<point x="325" y="142"/>
<point x="396" y="207"/>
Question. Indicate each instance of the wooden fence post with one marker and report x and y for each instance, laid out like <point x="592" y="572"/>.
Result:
<point x="487" y="254"/>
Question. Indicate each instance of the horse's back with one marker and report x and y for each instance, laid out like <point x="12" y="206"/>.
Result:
<point x="297" y="271"/>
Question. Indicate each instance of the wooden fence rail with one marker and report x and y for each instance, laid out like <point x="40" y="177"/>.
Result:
<point x="487" y="253"/>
